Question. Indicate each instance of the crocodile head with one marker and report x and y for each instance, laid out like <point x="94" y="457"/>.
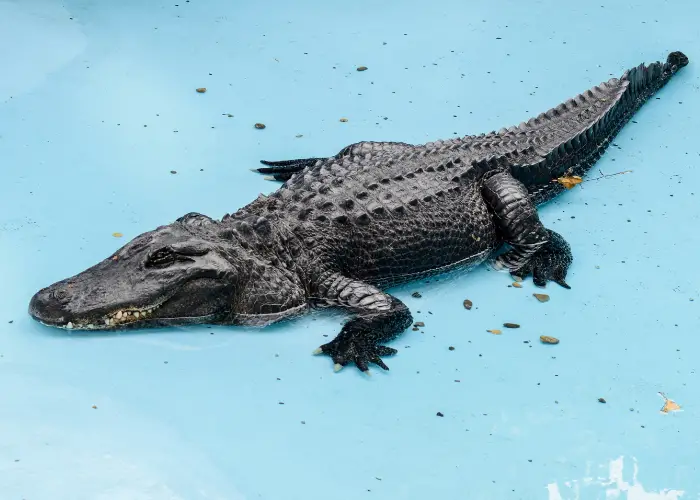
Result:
<point x="176" y="274"/>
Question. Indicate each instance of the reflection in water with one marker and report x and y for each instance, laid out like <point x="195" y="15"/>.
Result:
<point x="612" y="487"/>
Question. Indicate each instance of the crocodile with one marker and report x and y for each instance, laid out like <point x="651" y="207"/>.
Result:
<point x="341" y="230"/>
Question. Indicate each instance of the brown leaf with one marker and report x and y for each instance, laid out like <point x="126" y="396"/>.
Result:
<point x="201" y="90"/>
<point x="542" y="297"/>
<point x="495" y="332"/>
<point x="569" y="181"/>
<point x="545" y="339"/>
<point x="517" y="284"/>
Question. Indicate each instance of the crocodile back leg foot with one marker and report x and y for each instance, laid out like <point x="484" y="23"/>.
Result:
<point x="550" y="263"/>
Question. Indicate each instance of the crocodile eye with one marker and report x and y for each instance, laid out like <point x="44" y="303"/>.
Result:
<point x="161" y="258"/>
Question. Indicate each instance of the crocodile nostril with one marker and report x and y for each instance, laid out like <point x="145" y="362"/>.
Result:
<point x="60" y="294"/>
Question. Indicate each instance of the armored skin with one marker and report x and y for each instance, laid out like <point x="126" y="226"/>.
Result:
<point x="343" y="229"/>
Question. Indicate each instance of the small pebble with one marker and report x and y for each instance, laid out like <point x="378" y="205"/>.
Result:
<point x="260" y="126"/>
<point x="416" y="295"/>
<point x="173" y="172"/>
<point x="419" y="323"/>
<point x="451" y="348"/>
<point x="602" y="400"/>
<point x="343" y="120"/>
<point x="511" y="325"/>
<point x="362" y="68"/>
<point x="439" y="414"/>
<point x="468" y="304"/>
<point x="542" y="297"/>
<point x="415" y="328"/>
<point x="201" y="90"/>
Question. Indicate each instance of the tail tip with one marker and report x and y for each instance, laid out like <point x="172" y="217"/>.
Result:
<point x="677" y="59"/>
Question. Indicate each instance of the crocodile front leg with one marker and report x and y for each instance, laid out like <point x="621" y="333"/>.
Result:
<point x="534" y="249"/>
<point x="379" y="318"/>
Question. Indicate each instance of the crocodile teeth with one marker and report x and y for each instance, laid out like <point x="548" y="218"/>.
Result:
<point x="136" y="314"/>
<point x="119" y="315"/>
<point x="108" y="321"/>
<point x="69" y="325"/>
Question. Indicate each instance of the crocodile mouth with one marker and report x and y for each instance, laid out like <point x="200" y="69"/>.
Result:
<point x="185" y="305"/>
<point x="119" y="317"/>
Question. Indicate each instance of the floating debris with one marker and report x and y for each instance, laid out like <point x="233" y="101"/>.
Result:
<point x="173" y="172"/>
<point x="416" y="295"/>
<point x="669" y="404"/>
<point x="546" y="339"/>
<point x="468" y="304"/>
<point x="343" y="120"/>
<point x="419" y="324"/>
<point x="602" y="400"/>
<point x="570" y="181"/>
<point x="495" y="332"/>
<point x="542" y="297"/>
<point x="117" y="235"/>
<point x="451" y="348"/>
<point x="511" y="325"/>
<point x="439" y="414"/>
<point x="94" y="407"/>
<point x="201" y="90"/>
<point x="362" y="68"/>
<point x="517" y="284"/>
<point x="260" y="126"/>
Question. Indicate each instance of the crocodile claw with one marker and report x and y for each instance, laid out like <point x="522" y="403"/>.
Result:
<point x="347" y="349"/>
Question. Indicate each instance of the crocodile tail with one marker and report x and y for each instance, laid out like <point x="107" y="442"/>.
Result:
<point x="569" y="139"/>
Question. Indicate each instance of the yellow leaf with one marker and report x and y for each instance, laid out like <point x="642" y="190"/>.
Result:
<point x="569" y="181"/>
<point x="669" y="404"/>
<point x="495" y="332"/>
<point x="117" y="235"/>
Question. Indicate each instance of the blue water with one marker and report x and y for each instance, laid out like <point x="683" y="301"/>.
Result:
<point x="98" y="105"/>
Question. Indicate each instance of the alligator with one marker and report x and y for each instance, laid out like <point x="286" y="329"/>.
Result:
<point x="340" y="230"/>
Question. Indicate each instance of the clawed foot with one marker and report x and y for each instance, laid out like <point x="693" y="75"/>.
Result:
<point x="550" y="263"/>
<point x="346" y="349"/>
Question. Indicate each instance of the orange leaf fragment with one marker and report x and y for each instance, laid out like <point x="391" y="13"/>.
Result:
<point x="495" y="332"/>
<point x="669" y="404"/>
<point x="570" y="181"/>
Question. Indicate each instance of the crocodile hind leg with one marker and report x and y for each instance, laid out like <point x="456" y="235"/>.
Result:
<point x="534" y="249"/>
<point x="283" y="170"/>
<point x="379" y="318"/>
